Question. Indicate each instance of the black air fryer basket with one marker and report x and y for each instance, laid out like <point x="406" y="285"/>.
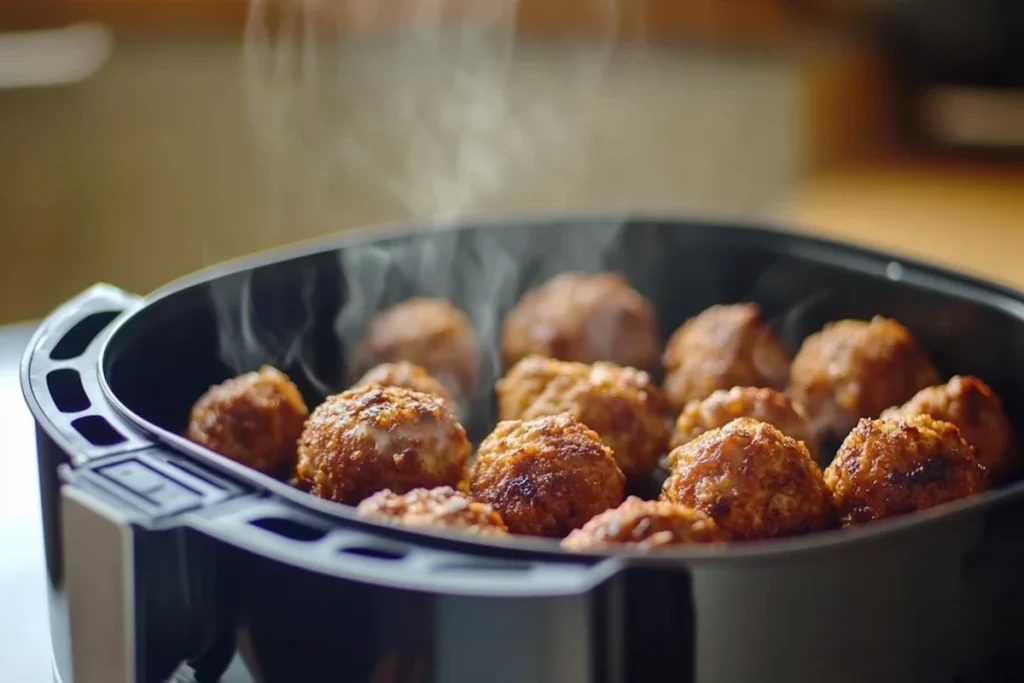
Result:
<point x="160" y="552"/>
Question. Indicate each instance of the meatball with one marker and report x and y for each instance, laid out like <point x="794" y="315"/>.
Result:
<point x="431" y="333"/>
<point x="978" y="413"/>
<point x="373" y="438"/>
<point x="752" y="479"/>
<point x="891" y="467"/>
<point x="584" y="317"/>
<point x="547" y="476"/>
<point x="855" y="368"/>
<point x="726" y="346"/>
<point x="403" y="374"/>
<point x="254" y="419"/>
<point x="438" y="507"/>
<point x="764" y="405"/>
<point x="645" y="524"/>
<point x="623" y="405"/>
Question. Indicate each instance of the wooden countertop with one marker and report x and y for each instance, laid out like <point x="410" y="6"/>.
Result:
<point x="965" y="214"/>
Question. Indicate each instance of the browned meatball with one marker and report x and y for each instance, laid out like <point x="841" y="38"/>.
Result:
<point x="764" y="405"/>
<point x="977" y="411"/>
<point x="547" y="476"/>
<point x="403" y="374"/>
<point x="891" y="467"/>
<point x="623" y="405"/>
<point x="645" y="524"/>
<point x="726" y="346"/>
<point x="373" y="438"/>
<point x="855" y="368"/>
<point x="438" y="507"/>
<point x="584" y="317"/>
<point x="254" y="419"/>
<point x="755" y="481"/>
<point x="431" y="333"/>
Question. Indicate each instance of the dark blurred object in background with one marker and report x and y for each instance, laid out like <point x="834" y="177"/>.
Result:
<point x="961" y="67"/>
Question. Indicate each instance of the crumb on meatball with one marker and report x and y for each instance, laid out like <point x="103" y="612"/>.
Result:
<point x="856" y="368"/>
<point x="546" y="476"/>
<point x="978" y="413"/>
<point x="765" y="405"/>
<point x="373" y="438"/>
<point x="403" y="374"/>
<point x="623" y="405"/>
<point x="584" y="317"/>
<point x="726" y="346"/>
<point x="752" y="479"/>
<point x="644" y="524"/>
<point x="886" y="468"/>
<point x="431" y="333"/>
<point x="254" y="419"/>
<point x="438" y="507"/>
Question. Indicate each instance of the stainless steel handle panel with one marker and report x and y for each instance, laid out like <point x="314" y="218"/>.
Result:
<point x="99" y="578"/>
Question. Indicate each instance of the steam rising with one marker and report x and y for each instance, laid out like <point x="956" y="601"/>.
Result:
<point x="428" y="115"/>
<point x="425" y="116"/>
<point x="481" y="272"/>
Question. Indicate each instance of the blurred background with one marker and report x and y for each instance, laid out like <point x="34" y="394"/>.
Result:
<point x="143" y="139"/>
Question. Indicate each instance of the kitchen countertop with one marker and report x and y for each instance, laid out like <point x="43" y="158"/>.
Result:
<point x="965" y="214"/>
<point x="24" y="629"/>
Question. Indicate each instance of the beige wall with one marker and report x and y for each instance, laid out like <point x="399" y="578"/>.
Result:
<point x="151" y="169"/>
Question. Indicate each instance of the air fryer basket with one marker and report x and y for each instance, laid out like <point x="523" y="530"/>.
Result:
<point x="197" y="553"/>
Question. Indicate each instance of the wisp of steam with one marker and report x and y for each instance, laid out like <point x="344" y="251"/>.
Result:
<point x="426" y="115"/>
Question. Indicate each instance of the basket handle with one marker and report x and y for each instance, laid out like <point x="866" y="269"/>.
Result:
<point x="60" y="377"/>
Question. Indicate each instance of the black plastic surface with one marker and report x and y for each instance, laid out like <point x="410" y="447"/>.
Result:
<point x="304" y="310"/>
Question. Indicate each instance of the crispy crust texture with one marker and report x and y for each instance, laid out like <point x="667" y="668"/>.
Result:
<point x="431" y="333"/>
<point x="724" y="347"/>
<point x="764" y="405"/>
<point x="755" y="481"/>
<point x="546" y="476"/>
<point x="978" y="413"/>
<point x="403" y="374"/>
<point x="856" y="368"/>
<point x="645" y="524"/>
<point x="438" y="507"/>
<point x="254" y="419"/>
<point x="891" y="467"/>
<point x="373" y="438"/>
<point x="623" y="405"/>
<point x="584" y="317"/>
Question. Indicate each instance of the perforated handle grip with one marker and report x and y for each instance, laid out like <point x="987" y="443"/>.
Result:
<point x="60" y="376"/>
<point x="281" y="530"/>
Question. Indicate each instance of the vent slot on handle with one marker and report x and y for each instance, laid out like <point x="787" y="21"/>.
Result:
<point x="289" y="528"/>
<point x="97" y="431"/>
<point x="66" y="390"/>
<point x="76" y="340"/>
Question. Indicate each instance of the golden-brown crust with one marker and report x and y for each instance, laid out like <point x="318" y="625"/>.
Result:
<point x="431" y="333"/>
<point x="623" y="405"/>
<point x="977" y="411"/>
<point x="254" y="419"/>
<point x="762" y="404"/>
<point x="373" y="438"/>
<point x="547" y="476"/>
<point x="645" y="524"/>
<point x="403" y="374"/>
<point x="442" y="506"/>
<point x="584" y="317"/>
<point x="752" y="479"/>
<point x="856" y="368"/>
<point x="726" y="346"/>
<point x="891" y="467"/>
